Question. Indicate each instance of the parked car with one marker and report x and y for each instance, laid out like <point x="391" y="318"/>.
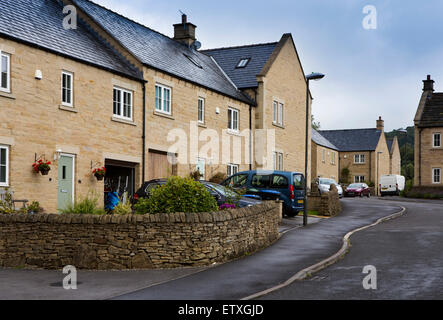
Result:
<point x="272" y="185"/>
<point x="324" y="184"/>
<point x="357" y="190"/>
<point x="391" y="184"/>
<point x="219" y="192"/>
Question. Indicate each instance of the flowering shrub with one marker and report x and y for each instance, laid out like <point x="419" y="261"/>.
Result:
<point x="41" y="166"/>
<point x="99" y="171"/>
<point x="226" y="206"/>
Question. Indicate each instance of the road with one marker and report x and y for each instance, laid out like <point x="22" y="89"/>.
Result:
<point x="406" y="252"/>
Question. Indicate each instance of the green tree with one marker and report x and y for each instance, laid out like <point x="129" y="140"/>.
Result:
<point x="315" y="125"/>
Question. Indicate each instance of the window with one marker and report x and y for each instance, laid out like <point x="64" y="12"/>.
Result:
<point x="278" y="113"/>
<point x="237" y="181"/>
<point x="279" y="182"/>
<point x="162" y="99"/>
<point x="122" y="104"/>
<point x="359" y="158"/>
<point x="359" y="179"/>
<point x="201" y="110"/>
<point x="4" y="166"/>
<point x="243" y="63"/>
<point x="261" y="181"/>
<point x="278" y="161"/>
<point x="5" y="69"/>
<point x="436" y="175"/>
<point x="194" y="61"/>
<point x="232" y="119"/>
<point x="436" y="140"/>
<point x="323" y="155"/>
<point x="232" y="169"/>
<point x="332" y="157"/>
<point x="67" y="89"/>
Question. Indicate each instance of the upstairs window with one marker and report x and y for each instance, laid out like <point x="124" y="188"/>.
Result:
<point x="436" y="140"/>
<point x="233" y="119"/>
<point x="4" y="166"/>
<point x="332" y="157"/>
<point x="323" y="155"/>
<point x="67" y="88"/>
<point x="201" y="110"/>
<point x="5" y="69"/>
<point x="278" y="113"/>
<point x="122" y="104"/>
<point x="359" y="158"/>
<point x="243" y="63"/>
<point x="162" y="99"/>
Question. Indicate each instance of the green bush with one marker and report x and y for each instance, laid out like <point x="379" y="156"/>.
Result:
<point x="408" y="186"/>
<point x="178" y="195"/>
<point x="87" y="205"/>
<point x="7" y="206"/>
<point x="218" y="177"/>
<point x="123" y="208"/>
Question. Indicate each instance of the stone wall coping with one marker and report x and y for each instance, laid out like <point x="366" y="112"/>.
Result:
<point x="179" y="217"/>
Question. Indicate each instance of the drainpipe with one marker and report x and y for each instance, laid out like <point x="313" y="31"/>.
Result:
<point x="144" y="134"/>
<point x="250" y="137"/>
<point x="419" y="157"/>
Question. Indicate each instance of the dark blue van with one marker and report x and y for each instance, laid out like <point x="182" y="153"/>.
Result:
<point x="272" y="185"/>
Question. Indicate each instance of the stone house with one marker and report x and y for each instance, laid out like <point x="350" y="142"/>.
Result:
<point x="428" y="149"/>
<point x="365" y="153"/>
<point x="395" y="156"/>
<point x="111" y="92"/>
<point x="324" y="157"/>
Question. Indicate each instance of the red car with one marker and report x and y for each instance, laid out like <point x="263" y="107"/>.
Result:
<point x="357" y="190"/>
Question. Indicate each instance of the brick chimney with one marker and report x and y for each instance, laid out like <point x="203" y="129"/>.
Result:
<point x="380" y="124"/>
<point x="428" y="84"/>
<point x="185" y="32"/>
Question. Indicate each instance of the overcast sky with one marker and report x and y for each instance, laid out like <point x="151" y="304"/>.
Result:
<point x="369" y="73"/>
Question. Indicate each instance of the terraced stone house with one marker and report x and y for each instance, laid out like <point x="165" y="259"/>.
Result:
<point x="114" y="93"/>
<point x="428" y="148"/>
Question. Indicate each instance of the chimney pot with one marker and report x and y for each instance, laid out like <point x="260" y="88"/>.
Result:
<point x="380" y="124"/>
<point x="184" y="19"/>
<point x="428" y="84"/>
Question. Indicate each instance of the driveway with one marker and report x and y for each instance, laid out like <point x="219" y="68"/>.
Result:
<point x="406" y="252"/>
<point x="297" y="249"/>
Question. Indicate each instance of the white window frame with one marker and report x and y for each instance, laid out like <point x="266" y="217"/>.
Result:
<point x="323" y="155"/>
<point x="278" y="161"/>
<point x="434" y="135"/>
<point x="122" y="104"/>
<point x="232" y="169"/>
<point x="71" y="76"/>
<point x="8" y="75"/>
<point x="202" y="101"/>
<point x="6" y="183"/>
<point x="332" y="157"/>
<point x="278" y="112"/>
<point x="434" y="176"/>
<point x="358" y="180"/>
<point x="359" y="157"/>
<point x="232" y="122"/>
<point x="162" y="109"/>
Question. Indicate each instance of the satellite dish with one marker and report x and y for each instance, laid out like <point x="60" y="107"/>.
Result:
<point x="197" y="45"/>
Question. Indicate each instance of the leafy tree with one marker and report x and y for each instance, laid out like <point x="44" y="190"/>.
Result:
<point x="315" y="125"/>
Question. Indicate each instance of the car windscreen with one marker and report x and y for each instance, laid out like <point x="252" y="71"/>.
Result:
<point x="327" y="181"/>
<point x="355" y="185"/>
<point x="222" y="190"/>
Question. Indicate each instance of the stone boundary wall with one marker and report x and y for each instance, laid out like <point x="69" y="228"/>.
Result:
<point x="105" y="242"/>
<point x="430" y="192"/>
<point x="327" y="204"/>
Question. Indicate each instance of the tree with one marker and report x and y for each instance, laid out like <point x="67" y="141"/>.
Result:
<point x="314" y="125"/>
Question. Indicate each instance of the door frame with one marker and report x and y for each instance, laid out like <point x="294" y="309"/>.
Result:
<point x="69" y="155"/>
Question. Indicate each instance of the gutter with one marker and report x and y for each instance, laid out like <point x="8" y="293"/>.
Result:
<point x="144" y="134"/>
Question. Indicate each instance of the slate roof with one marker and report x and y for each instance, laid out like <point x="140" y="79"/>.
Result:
<point x="432" y="115"/>
<point x="390" y="142"/>
<point x="322" y="141"/>
<point x="228" y="59"/>
<point x="353" y="139"/>
<point x="161" y="52"/>
<point x="40" y="23"/>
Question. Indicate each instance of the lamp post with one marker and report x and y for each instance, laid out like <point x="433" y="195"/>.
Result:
<point x="405" y="132"/>
<point x="316" y="77"/>
<point x="378" y="178"/>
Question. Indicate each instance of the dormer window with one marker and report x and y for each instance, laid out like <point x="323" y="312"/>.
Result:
<point x="193" y="61"/>
<point x="243" y="63"/>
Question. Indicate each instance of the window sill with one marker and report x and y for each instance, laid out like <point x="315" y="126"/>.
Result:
<point x="202" y="125"/>
<point x="66" y="108"/>
<point x="164" y="115"/>
<point x="8" y="95"/>
<point x="130" y="122"/>
<point x="233" y="132"/>
<point x="278" y="125"/>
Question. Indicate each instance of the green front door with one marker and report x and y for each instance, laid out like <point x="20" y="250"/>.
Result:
<point x="65" y="182"/>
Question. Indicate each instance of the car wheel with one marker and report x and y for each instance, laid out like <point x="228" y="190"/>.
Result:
<point x="291" y="214"/>
<point x="361" y="194"/>
<point x="369" y="194"/>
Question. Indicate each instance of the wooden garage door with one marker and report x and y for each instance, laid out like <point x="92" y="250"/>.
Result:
<point x="159" y="166"/>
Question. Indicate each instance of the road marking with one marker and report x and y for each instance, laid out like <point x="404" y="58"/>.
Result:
<point x="326" y="262"/>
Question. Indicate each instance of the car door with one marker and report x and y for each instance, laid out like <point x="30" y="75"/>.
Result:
<point x="261" y="186"/>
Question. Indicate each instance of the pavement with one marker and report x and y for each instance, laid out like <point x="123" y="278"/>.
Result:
<point x="405" y="251"/>
<point x="297" y="249"/>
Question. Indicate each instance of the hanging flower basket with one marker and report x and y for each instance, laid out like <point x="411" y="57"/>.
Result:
<point x="99" y="173"/>
<point x="42" y="167"/>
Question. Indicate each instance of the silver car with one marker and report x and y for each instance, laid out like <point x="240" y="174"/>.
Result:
<point x="324" y="184"/>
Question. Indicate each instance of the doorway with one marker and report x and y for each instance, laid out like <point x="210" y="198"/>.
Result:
<point x="65" y="192"/>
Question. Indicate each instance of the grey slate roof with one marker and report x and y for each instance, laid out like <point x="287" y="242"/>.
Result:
<point x="390" y="142"/>
<point x="228" y="59"/>
<point x="161" y="52"/>
<point x="40" y="23"/>
<point x="432" y="115"/>
<point x="353" y="139"/>
<point x="322" y="141"/>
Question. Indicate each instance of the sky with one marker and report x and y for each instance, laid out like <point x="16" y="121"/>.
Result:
<point x="369" y="72"/>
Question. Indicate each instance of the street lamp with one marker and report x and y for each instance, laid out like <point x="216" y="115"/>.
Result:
<point x="404" y="131"/>
<point x="378" y="178"/>
<point x="316" y="77"/>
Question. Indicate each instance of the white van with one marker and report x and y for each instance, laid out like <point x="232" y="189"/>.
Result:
<point x="391" y="184"/>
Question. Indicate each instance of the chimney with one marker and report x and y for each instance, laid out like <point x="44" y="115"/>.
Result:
<point x="380" y="124"/>
<point x="185" y="32"/>
<point x="428" y="84"/>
